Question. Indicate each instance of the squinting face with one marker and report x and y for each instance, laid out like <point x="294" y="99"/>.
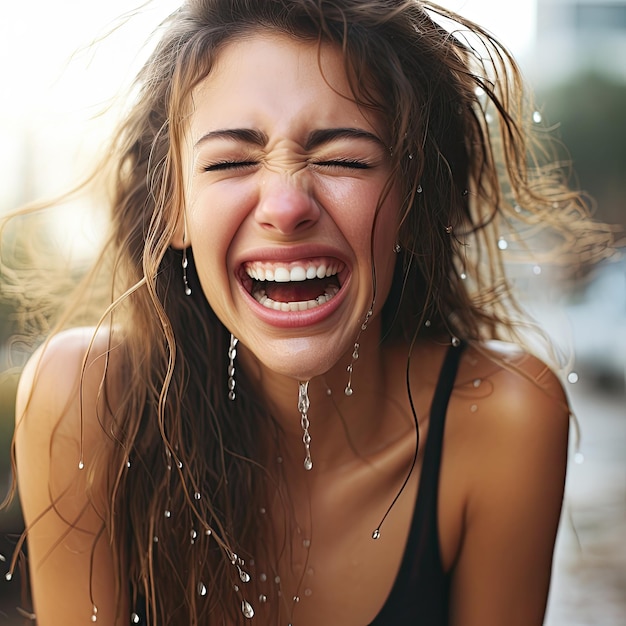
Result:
<point x="284" y="176"/>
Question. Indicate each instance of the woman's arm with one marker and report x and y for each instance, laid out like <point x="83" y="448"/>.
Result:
<point x="517" y="476"/>
<point x="62" y="521"/>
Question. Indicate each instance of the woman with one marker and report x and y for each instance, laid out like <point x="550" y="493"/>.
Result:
<point x="294" y="409"/>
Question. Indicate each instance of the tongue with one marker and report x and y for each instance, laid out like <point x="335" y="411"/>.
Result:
<point x="297" y="291"/>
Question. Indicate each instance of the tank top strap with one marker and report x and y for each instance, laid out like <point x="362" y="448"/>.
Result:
<point x="420" y="593"/>
<point x="428" y="491"/>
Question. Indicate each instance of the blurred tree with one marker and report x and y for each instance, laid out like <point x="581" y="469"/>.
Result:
<point x="590" y="110"/>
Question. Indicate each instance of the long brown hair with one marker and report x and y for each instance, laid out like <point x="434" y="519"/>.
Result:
<point x="187" y="475"/>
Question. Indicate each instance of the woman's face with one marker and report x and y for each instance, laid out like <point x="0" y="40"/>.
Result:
<point x="284" y="176"/>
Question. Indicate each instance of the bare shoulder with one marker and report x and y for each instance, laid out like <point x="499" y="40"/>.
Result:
<point x="64" y="375"/>
<point x="60" y="360"/>
<point x="514" y="387"/>
<point x="59" y="400"/>
<point x="512" y="408"/>
<point x="506" y="462"/>
<point x="64" y="498"/>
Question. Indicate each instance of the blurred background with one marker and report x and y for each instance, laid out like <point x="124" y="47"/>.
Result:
<point x="62" y="63"/>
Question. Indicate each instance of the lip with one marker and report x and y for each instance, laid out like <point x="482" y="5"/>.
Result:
<point x="293" y="254"/>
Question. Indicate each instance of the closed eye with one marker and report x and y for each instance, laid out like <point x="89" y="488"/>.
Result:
<point x="229" y="165"/>
<point x="348" y="163"/>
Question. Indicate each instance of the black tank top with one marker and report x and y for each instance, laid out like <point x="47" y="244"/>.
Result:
<point x="420" y="594"/>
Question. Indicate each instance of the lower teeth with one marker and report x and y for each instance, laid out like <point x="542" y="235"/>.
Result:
<point x="261" y="297"/>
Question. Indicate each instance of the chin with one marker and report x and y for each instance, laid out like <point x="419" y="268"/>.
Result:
<point x="301" y="359"/>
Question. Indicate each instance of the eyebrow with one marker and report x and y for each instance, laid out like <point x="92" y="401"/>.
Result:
<point x="246" y="135"/>
<point x="323" y="136"/>
<point x="315" y="139"/>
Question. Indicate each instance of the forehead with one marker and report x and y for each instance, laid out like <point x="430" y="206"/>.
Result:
<point x="272" y="78"/>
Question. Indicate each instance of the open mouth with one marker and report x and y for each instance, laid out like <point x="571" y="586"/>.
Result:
<point x="297" y="286"/>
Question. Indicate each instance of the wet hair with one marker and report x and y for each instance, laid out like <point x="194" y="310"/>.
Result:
<point x="472" y="174"/>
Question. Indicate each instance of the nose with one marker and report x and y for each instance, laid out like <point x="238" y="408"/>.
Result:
<point x="286" y="205"/>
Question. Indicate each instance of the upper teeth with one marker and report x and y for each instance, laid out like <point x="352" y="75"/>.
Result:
<point x="292" y="272"/>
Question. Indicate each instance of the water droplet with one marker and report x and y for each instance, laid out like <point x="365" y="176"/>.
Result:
<point x="348" y="391"/>
<point x="376" y="534"/>
<point x="329" y="391"/>
<point x="306" y="543"/>
<point x="245" y="577"/>
<point x="81" y="465"/>
<point x="427" y="323"/>
<point x="8" y="576"/>
<point x="456" y="342"/>
<point x="419" y="189"/>
<point x="308" y="464"/>
<point x="94" y="618"/>
<point x="474" y="408"/>
<point x="572" y="378"/>
<point x="134" y="618"/>
<point x="477" y="382"/>
<point x="194" y="535"/>
<point x="296" y="599"/>
<point x="168" y="513"/>
<point x="277" y="580"/>
<point x="155" y="539"/>
<point x="262" y="510"/>
<point x="537" y="117"/>
<point x="449" y="229"/>
<point x="579" y="458"/>
<point x="262" y="598"/>
<point x="489" y="118"/>
<point x="262" y="577"/>
<point x="247" y="609"/>
<point x="503" y="244"/>
<point x="463" y="276"/>
<point x="308" y="593"/>
<point x="197" y="495"/>
<point x="208" y="532"/>
<point x="537" y="270"/>
<point x="128" y="463"/>
<point x="179" y="464"/>
<point x="2" y="558"/>
<point x="310" y="571"/>
<point x="201" y="589"/>
<point x="236" y="588"/>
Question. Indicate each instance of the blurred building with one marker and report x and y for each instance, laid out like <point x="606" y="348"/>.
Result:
<point x="576" y="36"/>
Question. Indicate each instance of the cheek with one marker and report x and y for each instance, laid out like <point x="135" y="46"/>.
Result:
<point x="213" y="218"/>
<point x="213" y="222"/>
<point x="385" y="236"/>
<point x="352" y="207"/>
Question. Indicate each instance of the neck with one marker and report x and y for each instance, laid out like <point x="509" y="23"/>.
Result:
<point x="341" y="426"/>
